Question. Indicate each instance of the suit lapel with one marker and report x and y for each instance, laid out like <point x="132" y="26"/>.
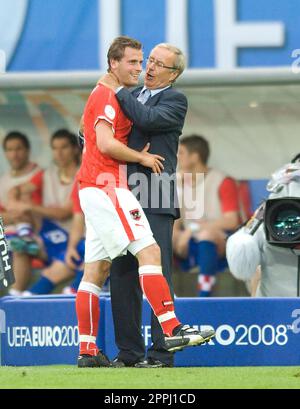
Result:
<point x="136" y="91"/>
<point x="154" y="100"/>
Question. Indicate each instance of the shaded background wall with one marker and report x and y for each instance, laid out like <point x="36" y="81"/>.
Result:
<point x="252" y="129"/>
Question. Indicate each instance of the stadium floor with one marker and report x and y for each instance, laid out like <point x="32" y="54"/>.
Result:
<point x="56" y="377"/>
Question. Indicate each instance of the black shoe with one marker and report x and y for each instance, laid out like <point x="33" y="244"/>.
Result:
<point x="152" y="363"/>
<point x="93" y="361"/>
<point x="187" y="336"/>
<point x="118" y="363"/>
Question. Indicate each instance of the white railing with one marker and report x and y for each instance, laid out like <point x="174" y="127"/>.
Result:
<point x="190" y="78"/>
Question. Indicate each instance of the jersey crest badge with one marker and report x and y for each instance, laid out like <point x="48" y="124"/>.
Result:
<point x="135" y="214"/>
<point x="110" y="112"/>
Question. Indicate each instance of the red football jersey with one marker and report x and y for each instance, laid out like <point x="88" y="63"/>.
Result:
<point x="98" y="169"/>
<point x="229" y="196"/>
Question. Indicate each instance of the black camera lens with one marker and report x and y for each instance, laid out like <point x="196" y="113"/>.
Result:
<point x="282" y="221"/>
<point x="286" y="224"/>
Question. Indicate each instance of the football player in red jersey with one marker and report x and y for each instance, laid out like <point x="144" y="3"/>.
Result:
<point x="115" y="221"/>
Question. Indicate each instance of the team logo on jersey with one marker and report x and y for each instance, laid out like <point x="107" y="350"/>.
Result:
<point x="135" y="214"/>
<point x="110" y="112"/>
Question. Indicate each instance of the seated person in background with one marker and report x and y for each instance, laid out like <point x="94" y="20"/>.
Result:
<point x="200" y="234"/>
<point x="73" y="257"/>
<point x="75" y="251"/>
<point x="266" y="250"/>
<point x="16" y="147"/>
<point x="55" y="185"/>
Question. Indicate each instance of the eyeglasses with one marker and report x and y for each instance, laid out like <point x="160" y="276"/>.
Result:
<point x="151" y="60"/>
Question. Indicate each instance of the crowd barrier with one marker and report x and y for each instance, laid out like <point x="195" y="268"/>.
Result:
<point x="42" y="330"/>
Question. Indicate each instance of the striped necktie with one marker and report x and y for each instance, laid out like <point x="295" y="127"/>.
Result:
<point x="144" y="96"/>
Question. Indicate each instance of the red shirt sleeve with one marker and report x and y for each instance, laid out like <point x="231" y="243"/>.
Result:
<point x="75" y="198"/>
<point x="229" y="197"/>
<point x="37" y="180"/>
<point x="105" y="105"/>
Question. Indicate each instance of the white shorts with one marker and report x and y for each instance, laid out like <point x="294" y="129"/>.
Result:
<point x="115" y="223"/>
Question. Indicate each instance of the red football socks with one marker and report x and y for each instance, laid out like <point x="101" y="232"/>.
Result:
<point x="88" y="315"/>
<point x="157" y="292"/>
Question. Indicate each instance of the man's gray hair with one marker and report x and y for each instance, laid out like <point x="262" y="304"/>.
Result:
<point x="179" y="62"/>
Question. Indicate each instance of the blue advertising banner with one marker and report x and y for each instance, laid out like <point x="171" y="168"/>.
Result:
<point x="249" y="332"/>
<point x="40" y="330"/>
<point x="75" y="34"/>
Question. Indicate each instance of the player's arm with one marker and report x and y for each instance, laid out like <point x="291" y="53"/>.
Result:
<point x="77" y="232"/>
<point x="229" y="201"/>
<point x="167" y="115"/>
<point x="34" y="185"/>
<point x="11" y="216"/>
<point x="181" y="237"/>
<point x="228" y="221"/>
<point x="110" y="146"/>
<point x="16" y="206"/>
<point x="16" y="192"/>
<point x="55" y="212"/>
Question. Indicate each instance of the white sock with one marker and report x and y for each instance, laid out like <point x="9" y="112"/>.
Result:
<point x="24" y="229"/>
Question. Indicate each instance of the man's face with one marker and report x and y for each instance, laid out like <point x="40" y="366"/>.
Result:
<point x="63" y="152"/>
<point x="17" y="154"/>
<point x="158" y="76"/>
<point x="186" y="160"/>
<point x="129" y="68"/>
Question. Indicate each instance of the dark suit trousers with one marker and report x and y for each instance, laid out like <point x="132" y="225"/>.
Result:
<point x="126" y="296"/>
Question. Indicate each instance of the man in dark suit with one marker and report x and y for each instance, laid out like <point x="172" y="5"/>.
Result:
<point x="158" y="112"/>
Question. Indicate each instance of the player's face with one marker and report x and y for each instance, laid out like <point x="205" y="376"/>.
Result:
<point x="17" y="154"/>
<point x="157" y="75"/>
<point x="186" y="160"/>
<point x="63" y="152"/>
<point x="129" y="68"/>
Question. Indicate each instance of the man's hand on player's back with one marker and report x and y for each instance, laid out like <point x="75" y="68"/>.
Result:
<point x="152" y="161"/>
<point x="110" y="81"/>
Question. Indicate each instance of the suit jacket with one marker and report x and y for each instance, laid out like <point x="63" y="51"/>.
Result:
<point x="160" y="122"/>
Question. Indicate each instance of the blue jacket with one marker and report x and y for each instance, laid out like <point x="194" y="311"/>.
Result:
<point x="160" y="122"/>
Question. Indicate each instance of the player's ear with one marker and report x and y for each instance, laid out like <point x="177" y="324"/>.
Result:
<point x="113" y="64"/>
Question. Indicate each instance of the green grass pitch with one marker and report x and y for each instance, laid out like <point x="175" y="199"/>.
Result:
<point x="165" y="378"/>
